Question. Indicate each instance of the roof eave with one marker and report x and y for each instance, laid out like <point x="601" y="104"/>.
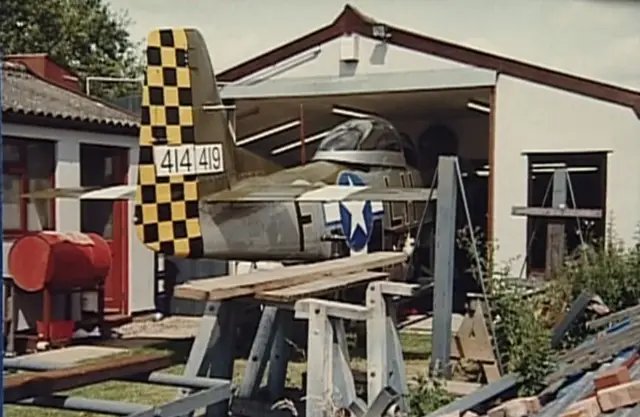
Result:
<point x="352" y="21"/>
<point x="58" y="122"/>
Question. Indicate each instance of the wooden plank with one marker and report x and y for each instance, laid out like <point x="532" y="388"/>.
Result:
<point x="556" y="247"/>
<point x="320" y="287"/>
<point x="461" y="388"/>
<point x="556" y="212"/>
<point x="234" y="286"/>
<point x="613" y="318"/>
<point x="518" y="407"/>
<point x="45" y="383"/>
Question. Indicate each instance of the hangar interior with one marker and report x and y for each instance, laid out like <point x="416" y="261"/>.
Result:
<point x="446" y="121"/>
<point x="439" y="119"/>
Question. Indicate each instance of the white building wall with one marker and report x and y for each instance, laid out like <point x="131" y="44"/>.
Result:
<point x="67" y="174"/>
<point x="374" y="57"/>
<point x="535" y="118"/>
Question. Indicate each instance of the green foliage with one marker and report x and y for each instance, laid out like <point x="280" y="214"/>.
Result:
<point x="612" y="272"/>
<point x="523" y="336"/>
<point x="523" y="319"/>
<point x="521" y="333"/>
<point x="85" y="36"/>
<point x="426" y="395"/>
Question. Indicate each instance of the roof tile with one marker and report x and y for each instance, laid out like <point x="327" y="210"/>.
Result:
<point x="25" y="93"/>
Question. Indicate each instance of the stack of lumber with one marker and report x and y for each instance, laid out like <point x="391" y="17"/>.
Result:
<point x="294" y="282"/>
<point x="601" y="377"/>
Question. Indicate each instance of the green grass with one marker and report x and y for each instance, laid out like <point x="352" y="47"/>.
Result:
<point x="415" y="347"/>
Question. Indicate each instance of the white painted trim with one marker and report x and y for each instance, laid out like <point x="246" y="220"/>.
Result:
<point x="361" y="84"/>
<point x="48" y="133"/>
<point x="528" y="152"/>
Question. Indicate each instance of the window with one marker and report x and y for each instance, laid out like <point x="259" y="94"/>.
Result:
<point x="101" y="166"/>
<point x="28" y="165"/>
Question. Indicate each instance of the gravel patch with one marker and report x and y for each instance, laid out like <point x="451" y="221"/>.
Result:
<point x="173" y="327"/>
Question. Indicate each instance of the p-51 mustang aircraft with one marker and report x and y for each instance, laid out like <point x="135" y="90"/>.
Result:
<point x="200" y="196"/>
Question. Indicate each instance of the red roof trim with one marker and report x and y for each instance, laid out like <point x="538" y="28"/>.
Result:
<point x="352" y="21"/>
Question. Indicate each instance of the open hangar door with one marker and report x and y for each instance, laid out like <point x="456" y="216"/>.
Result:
<point x="444" y="112"/>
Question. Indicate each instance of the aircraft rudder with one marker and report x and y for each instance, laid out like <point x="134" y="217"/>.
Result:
<point x="167" y="200"/>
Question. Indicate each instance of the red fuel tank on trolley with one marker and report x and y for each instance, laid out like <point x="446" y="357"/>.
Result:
<point x="59" y="260"/>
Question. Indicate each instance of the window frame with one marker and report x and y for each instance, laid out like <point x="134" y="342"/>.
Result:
<point x="21" y="168"/>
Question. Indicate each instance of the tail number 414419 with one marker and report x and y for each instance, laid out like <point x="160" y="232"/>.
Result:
<point x="188" y="159"/>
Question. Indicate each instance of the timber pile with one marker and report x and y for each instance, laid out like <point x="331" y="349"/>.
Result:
<point x="291" y="283"/>
<point x="612" y="392"/>
<point x="601" y="377"/>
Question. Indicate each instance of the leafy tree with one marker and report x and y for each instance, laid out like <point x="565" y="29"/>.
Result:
<point x="85" y="36"/>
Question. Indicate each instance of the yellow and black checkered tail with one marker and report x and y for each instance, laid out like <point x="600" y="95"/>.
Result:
<point x="179" y="84"/>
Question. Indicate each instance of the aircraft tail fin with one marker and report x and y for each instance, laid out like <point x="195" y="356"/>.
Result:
<point x="186" y="148"/>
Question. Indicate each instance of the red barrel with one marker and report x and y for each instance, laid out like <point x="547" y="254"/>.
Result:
<point x="59" y="260"/>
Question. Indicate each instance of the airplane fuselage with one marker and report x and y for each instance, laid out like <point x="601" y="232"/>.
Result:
<point x="306" y="231"/>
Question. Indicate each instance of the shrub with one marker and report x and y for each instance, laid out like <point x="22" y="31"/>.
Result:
<point x="612" y="272"/>
<point x="523" y="322"/>
<point x="426" y="395"/>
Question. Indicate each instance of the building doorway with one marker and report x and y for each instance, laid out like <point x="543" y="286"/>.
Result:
<point x="102" y="166"/>
<point x="587" y="189"/>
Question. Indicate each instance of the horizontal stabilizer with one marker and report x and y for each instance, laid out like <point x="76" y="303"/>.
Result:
<point x="117" y="192"/>
<point x="321" y="193"/>
<point x="268" y="193"/>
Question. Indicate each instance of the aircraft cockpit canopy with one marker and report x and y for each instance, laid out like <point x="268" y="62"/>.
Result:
<point x="350" y="141"/>
<point x="362" y="134"/>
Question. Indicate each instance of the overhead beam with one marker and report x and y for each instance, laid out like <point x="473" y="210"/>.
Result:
<point x="556" y="212"/>
<point x="449" y="79"/>
<point x="269" y="132"/>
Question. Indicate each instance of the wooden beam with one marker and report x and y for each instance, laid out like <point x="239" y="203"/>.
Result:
<point x="235" y="286"/>
<point x="556" y="212"/>
<point x="28" y="385"/>
<point x="320" y="287"/>
<point x="556" y="227"/>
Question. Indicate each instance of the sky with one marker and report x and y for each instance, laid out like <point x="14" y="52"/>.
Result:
<point x="598" y="39"/>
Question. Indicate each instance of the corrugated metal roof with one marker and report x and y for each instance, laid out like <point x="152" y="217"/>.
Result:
<point x="24" y="93"/>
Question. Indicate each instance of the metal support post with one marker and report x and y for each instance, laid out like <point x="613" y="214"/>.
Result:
<point x="444" y="265"/>
<point x="385" y="364"/>
<point x="330" y="382"/>
<point x="270" y="345"/>
<point x="63" y="402"/>
<point x="212" y="352"/>
<point x="280" y="354"/>
<point x="157" y="378"/>
<point x="216" y="395"/>
<point x="258" y="356"/>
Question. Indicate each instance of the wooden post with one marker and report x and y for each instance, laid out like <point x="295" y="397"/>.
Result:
<point x="556" y="237"/>
<point x="303" y="147"/>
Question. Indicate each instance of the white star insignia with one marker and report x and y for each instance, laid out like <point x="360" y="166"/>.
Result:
<point x="356" y="209"/>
